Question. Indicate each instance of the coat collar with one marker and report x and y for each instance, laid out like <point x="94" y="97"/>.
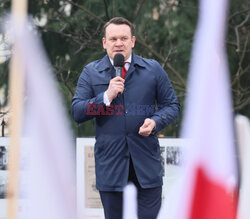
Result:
<point x="105" y="64"/>
<point x="137" y="60"/>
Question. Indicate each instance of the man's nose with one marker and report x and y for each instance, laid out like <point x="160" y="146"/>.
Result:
<point x="118" y="42"/>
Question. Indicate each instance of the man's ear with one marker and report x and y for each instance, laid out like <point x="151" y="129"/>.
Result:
<point x="104" y="43"/>
<point x="133" y="41"/>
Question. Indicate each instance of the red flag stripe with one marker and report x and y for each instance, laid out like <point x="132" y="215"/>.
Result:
<point x="211" y="200"/>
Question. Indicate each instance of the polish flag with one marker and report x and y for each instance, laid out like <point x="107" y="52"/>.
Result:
<point x="208" y="185"/>
<point x="208" y="121"/>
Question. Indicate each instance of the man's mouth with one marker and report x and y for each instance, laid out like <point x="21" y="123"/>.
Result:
<point x="118" y="51"/>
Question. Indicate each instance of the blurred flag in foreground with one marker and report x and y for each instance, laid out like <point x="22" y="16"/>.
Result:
<point x="209" y="178"/>
<point x="49" y="185"/>
<point x="243" y="137"/>
<point x="130" y="202"/>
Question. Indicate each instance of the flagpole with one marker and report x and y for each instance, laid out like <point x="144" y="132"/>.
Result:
<point x="19" y="13"/>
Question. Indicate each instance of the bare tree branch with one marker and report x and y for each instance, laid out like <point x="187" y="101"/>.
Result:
<point x="67" y="35"/>
<point x="238" y="13"/>
<point x="231" y="43"/>
<point x="243" y="104"/>
<point x="244" y="52"/>
<point x="65" y="80"/>
<point x="173" y="49"/>
<point x="239" y="72"/>
<point x="236" y="29"/>
<point x="177" y="75"/>
<point x="137" y="10"/>
<point x="106" y="9"/>
<point x="69" y="89"/>
<point x="180" y="96"/>
<point x="86" y="10"/>
<point x="180" y="89"/>
<point x="166" y="60"/>
<point x="79" y="50"/>
<point x="246" y="69"/>
<point x="163" y="60"/>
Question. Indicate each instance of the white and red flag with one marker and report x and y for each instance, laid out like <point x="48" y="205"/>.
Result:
<point x="209" y="177"/>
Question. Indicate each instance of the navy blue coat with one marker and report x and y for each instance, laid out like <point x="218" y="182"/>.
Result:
<point x="117" y="126"/>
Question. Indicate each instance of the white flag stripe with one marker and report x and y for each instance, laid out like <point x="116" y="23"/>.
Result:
<point x="208" y="116"/>
<point x="51" y="172"/>
<point x="130" y="202"/>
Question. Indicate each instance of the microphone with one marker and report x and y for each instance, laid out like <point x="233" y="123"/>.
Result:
<point x="118" y="64"/>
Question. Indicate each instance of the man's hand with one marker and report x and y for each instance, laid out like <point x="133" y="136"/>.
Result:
<point x="116" y="86"/>
<point x="147" y="127"/>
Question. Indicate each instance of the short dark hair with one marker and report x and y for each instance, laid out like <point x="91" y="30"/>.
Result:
<point x="119" y="21"/>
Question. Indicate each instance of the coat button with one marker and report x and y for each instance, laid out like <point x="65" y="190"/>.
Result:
<point x="126" y="111"/>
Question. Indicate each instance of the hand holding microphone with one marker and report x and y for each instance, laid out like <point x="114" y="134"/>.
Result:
<point x="116" y="85"/>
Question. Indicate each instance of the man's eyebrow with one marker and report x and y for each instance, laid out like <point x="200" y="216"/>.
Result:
<point x="122" y="36"/>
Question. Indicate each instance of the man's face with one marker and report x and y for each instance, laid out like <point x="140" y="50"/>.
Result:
<point x="118" y="39"/>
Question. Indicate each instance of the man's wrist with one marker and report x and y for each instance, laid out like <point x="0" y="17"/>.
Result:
<point x="154" y="128"/>
<point x="154" y="123"/>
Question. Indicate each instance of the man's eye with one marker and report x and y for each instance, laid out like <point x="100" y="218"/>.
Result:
<point x="113" y="39"/>
<point x="124" y="38"/>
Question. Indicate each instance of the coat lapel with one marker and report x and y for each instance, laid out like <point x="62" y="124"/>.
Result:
<point x="136" y="61"/>
<point x="105" y="68"/>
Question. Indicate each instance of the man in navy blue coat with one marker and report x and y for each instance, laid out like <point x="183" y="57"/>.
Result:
<point x="128" y="113"/>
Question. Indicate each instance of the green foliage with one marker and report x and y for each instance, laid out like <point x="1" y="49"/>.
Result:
<point x="164" y="31"/>
<point x="238" y="49"/>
